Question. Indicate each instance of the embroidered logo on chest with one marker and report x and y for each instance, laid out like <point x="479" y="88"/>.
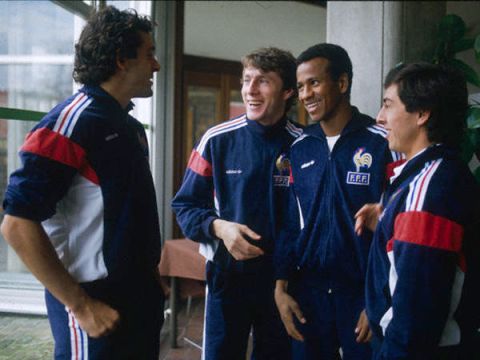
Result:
<point x="283" y="166"/>
<point x="362" y="160"/>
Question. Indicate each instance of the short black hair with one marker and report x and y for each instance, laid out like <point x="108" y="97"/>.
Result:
<point x="338" y="60"/>
<point x="107" y="33"/>
<point x="279" y="61"/>
<point x="439" y="89"/>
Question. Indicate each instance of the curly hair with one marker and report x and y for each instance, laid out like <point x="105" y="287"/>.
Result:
<point x="108" y="33"/>
<point x="441" y="90"/>
<point x="338" y="61"/>
<point x="279" y="61"/>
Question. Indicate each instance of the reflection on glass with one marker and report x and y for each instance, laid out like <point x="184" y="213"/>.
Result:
<point x="34" y="87"/>
<point x="143" y="7"/>
<point x="35" y="28"/>
<point x="203" y="111"/>
<point x="3" y="182"/>
<point x="237" y="107"/>
<point x="36" y="55"/>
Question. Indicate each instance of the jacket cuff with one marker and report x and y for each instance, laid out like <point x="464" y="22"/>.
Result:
<point x="282" y="272"/>
<point x="207" y="227"/>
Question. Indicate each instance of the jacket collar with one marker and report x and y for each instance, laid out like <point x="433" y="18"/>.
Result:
<point x="262" y="130"/>
<point x="356" y="122"/>
<point x="414" y="165"/>
<point x="98" y="93"/>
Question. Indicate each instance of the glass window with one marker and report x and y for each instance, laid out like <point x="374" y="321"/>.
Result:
<point x="143" y="7"/>
<point x="203" y="112"/>
<point x="36" y="62"/>
<point x="236" y="106"/>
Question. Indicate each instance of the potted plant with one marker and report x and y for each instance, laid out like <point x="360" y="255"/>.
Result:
<point x="452" y="39"/>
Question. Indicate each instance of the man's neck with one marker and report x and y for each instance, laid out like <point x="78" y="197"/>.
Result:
<point x="117" y="91"/>
<point x="418" y="147"/>
<point x="270" y="121"/>
<point x="337" y="122"/>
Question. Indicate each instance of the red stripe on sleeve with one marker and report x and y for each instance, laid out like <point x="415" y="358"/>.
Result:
<point x="426" y="229"/>
<point x="199" y="165"/>
<point x="47" y="143"/>
<point x="389" y="245"/>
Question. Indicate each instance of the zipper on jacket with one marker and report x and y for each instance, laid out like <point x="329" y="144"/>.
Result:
<point x="329" y="187"/>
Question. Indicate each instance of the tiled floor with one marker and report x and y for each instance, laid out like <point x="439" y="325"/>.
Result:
<point x="29" y="337"/>
<point x="189" y="339"/>
<point x="25" y="337"/>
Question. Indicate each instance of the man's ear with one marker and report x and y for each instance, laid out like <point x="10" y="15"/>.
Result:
<point x="120" y="62"/>
<point x="423" y="117"/>
<point x="287" y="94"/>
<point x="343" y="83"/>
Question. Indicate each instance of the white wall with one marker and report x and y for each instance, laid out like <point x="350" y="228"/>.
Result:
<point x="357" y="26"/>
<point x="230" y="29"/>
<point x="378" y="35"/>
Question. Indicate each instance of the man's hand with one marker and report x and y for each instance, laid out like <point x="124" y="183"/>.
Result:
<point x="96" y="318"/>
<point x="288" y="307"/>
<point x="367" y="217"/>
<point x="364" y="334"/>
<point x="30" y="242"/>
<point x="233" y="236"/>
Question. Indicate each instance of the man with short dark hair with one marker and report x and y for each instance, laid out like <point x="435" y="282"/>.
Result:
<point x="227" y="202"/>
<point x="81" y="212"/>
<point x="423" y="273"/>
<point x="337" y="165"/>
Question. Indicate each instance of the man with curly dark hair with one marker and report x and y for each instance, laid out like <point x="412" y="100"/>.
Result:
<point x="81" y="211"/>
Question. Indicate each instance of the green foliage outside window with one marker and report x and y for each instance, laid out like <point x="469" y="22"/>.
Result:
<point x="452" y="39"/>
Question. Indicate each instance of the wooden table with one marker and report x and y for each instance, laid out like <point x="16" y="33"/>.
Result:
<point x="182" y="270"/>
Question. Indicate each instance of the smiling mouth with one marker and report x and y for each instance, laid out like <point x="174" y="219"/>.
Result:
<point x="312" y="106"/>
<point x="254" y="105"/>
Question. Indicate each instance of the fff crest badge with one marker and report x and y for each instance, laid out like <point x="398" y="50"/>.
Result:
<point x="361" y="159"/>
<point x="283" y="166"/>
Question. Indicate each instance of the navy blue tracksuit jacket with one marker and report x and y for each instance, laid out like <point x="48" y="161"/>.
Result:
<point x="318" y="250"/>
<point x="423" y="273"/>
<point x="327" y="189"/>
<point x="236" y="172"/>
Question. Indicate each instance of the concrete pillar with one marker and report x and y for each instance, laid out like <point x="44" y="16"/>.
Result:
<point x="164" y="14"/>
<point x="378" y="35"/>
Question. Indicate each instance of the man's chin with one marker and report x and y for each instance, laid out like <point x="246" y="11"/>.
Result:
<point x="145" y="94"/>
<point x="253" y="116"/>
<point x="316" y="119"/>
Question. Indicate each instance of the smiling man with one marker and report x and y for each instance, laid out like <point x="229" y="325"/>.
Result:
<point x="227" y="203"/>
<point x="81" y="211"/>
<point x="337" y="166"/>
<point x="423" y="273"/>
